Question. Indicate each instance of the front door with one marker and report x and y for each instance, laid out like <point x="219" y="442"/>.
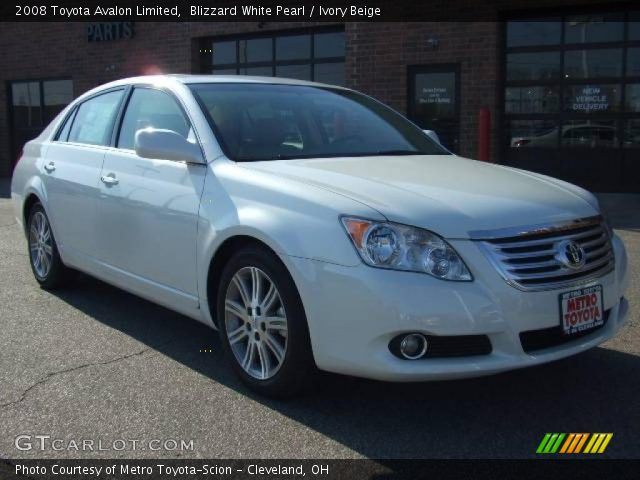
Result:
<point x="434" y="101"/>
<point x="149" y="208"/>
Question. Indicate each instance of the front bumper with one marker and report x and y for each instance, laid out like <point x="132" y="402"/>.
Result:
<point x="354" y="312"/>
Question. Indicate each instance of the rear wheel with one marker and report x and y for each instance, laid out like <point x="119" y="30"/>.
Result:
<point x="262" y="324"/>
<point x="44" y="257"/>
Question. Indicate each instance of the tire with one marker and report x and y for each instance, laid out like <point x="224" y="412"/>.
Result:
<point x="44" y="258"/>
<point x="272" y="324"/>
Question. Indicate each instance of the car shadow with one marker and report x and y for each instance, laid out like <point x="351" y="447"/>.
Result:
<point x="500" y="416"/>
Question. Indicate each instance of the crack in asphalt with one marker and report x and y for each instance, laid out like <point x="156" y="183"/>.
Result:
<point x="8" y="224"/>
<point x="50" y="375"/>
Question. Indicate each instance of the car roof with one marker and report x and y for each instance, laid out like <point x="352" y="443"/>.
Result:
<point x="168" y="80"/>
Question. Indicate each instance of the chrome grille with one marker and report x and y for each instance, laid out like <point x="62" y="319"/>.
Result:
<point x="531" y="258"/>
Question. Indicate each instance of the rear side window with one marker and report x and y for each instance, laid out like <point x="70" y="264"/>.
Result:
<point x="151" y="108"/>
<point x="63" y="135"/>
<point x="94" y="119"/>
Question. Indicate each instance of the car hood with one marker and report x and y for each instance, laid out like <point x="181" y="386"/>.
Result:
<point x="447" y="194"/>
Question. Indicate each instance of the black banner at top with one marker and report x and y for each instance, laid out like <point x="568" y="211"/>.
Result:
<point x="283" y="10"/>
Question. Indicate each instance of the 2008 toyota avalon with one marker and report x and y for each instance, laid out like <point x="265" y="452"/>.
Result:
<point x="316" y="228"/>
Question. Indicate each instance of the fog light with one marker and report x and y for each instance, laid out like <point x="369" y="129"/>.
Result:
<point x="413" y="346"/>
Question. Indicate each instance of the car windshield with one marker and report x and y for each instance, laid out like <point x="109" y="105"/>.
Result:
<point x="256" y="122"/>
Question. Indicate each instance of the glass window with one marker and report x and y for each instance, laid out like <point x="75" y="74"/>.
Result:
<point x="299" y="72"/>
<point x="224" y="52"/>
<point x="331" y="73"/>
<point x="328" y="44"/>
<point x="533" y="66"/>
<point x="257" y="71"/>
<point x="25" y="102"/>
<point x="256" y="50"/>
<point x="634" y="26"/>
<point x="435" y="95"/>
<point x="268" y="122"/>
<point x="532" y="99"/>
<point x="94" y="120"/>
<point x="533" y="32"/>
<point x="592" y="98"/>
<point x="632" y="134"/>
<point x="632" y="98"/>
<point x="151" y="108"/>
<point x="293" y="47"/>
<point x="225" y="71"/>
<point x="532" y="133"/>
<point x="594" y="28"/>
<point x="590" y="134"/>
<point x="633" y="62"/>
<point x="57" y="95"/>
<point x="593" y="63"/>
<point x="64" y="133"/>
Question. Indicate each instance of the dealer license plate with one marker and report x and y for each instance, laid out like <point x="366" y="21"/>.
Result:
<point x="581" y="309"/>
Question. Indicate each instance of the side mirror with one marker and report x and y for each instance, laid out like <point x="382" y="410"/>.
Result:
<point x="433" y="136"/>
<point x="166" y="145"/>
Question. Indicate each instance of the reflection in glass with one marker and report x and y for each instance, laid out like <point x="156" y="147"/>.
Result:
<point x="533" y="66"/>
<point x="532" y="99"/>
<point x="25" y="99"/>
<point x="632" y="134"/>
<point x="590" y="134"/>
<point x="527" y="33"/>
<point x="256" y="50"/>
<point x="632" y="98"/>
<point x="57" y="94"/>
<point x="299" y="72"/>
<point x="224" y="52"/>
<point x="224" y="71"/>
<point x="532" y="133"/>
<point x="293" y="47"/>
<point x="257" y="71"/>
<point x="633" y="62"/>
<point x="594" y="28"/>
<point x="592" y="98"/>
<point x="634" y="26"/>
<point x="331" y="73"/>
<point x="328" y="44"/>
<point x="593" y="63"/>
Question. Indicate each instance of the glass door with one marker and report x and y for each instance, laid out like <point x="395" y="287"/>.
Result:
<point x="434" y="101"/>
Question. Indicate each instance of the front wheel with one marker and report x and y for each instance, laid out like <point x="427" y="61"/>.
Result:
<point x="44" y="257"/>
<point x="262" y="324"/>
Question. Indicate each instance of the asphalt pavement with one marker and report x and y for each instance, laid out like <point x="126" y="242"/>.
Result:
<point x="92" y="362"/>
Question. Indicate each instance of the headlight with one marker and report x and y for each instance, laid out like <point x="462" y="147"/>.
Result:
<point x="400" y="247"/>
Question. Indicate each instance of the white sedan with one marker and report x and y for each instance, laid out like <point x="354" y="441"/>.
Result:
<point x="316" y="228"/>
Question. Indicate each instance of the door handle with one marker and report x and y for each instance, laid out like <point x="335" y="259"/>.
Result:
<point x="109" y="179"/>
<point x="50" y="167"/>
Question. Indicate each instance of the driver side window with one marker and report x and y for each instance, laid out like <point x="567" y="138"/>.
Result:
<point x="148" y="107"/>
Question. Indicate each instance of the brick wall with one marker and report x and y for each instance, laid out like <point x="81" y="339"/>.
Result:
<point x="377" y="56"/>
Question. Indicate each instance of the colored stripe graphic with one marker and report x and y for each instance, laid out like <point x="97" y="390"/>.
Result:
<point x="573" y="443"/>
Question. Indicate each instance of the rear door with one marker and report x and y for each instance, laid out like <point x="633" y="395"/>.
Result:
<point x="149" y="208"/>
<point x="71" y="173"/>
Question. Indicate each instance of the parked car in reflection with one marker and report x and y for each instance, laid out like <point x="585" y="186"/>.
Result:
<point x="584" y="135"/>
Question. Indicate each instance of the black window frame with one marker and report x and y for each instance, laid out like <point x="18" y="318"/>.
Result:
<point x="562" y="117"/>
<point x="207" y="66"/>
<point x="9" y="89"/>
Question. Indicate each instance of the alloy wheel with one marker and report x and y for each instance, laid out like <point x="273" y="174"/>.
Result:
<point x="41" y="244"/>
<point x="256" y="323"/>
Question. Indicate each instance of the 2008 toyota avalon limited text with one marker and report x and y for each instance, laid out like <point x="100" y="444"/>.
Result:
<point x="316" y="228"/>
